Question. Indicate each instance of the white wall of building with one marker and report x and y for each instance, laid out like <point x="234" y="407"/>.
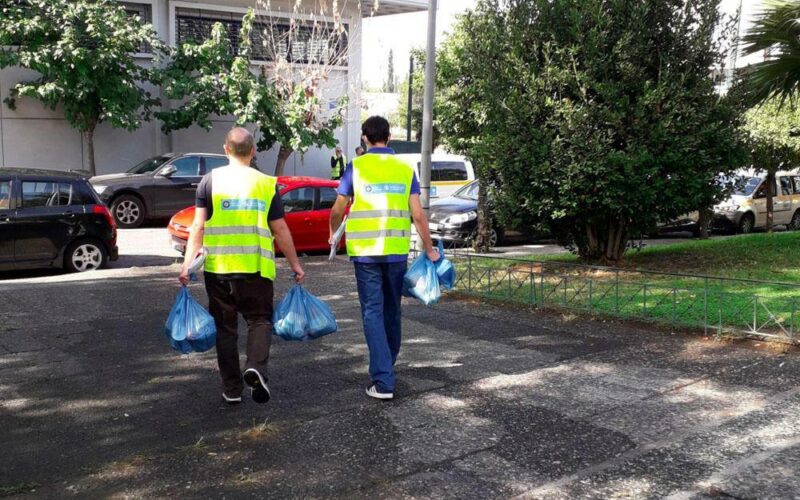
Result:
<point x="33" y="136"/>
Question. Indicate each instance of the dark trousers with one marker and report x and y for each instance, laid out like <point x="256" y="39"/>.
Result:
<point x="252" y="297"/>
<point x="380" y="288"/>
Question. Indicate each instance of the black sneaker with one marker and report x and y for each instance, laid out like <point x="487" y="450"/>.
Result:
<point x="231" y="400"/>
<point x="374" y="392"/>
<point x="256" y="381"/>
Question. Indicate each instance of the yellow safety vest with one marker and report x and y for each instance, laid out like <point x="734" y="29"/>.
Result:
<point x="237" y="237"/>
<point x="379" y="222"/>
<point x="335" y="172"/>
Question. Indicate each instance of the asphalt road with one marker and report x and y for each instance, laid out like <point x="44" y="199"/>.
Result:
<point x="492" y="403"/>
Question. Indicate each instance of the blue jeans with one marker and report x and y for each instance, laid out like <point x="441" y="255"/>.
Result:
<point x="380" y="289"/>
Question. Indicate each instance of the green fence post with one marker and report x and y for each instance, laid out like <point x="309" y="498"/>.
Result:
<point x="705" y="307"/>
<point x="565" y="290"/>
<point x="591" y="305"/>
<point x="791" y="325"/>
<point x="616" y="292"/>
<point x="469" y="273"/>
<point x="674" y="307"/>
<point x="532" y="295"/>
<point x="644" y="300"/>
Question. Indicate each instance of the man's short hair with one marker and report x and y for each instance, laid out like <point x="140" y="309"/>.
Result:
<point x="239" y="142"/>
<point x="376" y="129"/>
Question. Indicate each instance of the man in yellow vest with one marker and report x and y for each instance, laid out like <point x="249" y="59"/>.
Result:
<point x="385" y="194"/>
<point x="338" y="162"/>
<point x="238" y="215"/>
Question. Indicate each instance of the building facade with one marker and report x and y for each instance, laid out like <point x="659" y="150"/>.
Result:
<point x="33" y="136"/>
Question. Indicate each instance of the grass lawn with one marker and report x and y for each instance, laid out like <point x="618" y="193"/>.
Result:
<point x="638" y="290"/>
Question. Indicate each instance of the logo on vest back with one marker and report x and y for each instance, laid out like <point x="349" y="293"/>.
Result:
<point x="386" y="188"/>
<point x="244" y="204"/>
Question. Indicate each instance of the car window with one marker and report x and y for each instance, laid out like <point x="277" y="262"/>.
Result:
<point x="186" y="167"/>
<point x="213" y="162"/>
<point x="327" y="197"/>
<point x="469" y="192"/>
<point x="149" y="165"/>
<point x="448" y="171"/>
<point x="298" y="200"/>
<point x="796" y="184"/>
<point x="46" y="194"/>
<point x="5" y="195"/>
<point x="745" y="186"/>
<point x="787" y="189"/>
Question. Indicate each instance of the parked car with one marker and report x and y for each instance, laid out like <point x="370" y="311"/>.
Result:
<point x="53" y="219"/>
<point x="687" y="222"/>
<point x="307" y="202"/>
<point x="156" y="187"/>
<point x="455" y="219"/>
<point x="746" y="209"/>
<point x="449" y="173"/>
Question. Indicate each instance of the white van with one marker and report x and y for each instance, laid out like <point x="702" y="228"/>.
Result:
<point x="746" y="209"/>
<point x="448" y="172"/>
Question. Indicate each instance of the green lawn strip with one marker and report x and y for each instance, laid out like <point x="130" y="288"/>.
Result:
<point x="735" y="305"/>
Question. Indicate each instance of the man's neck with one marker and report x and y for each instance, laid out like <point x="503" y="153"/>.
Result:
<point x="235" y="162"/>
<point x="379" y="145"/>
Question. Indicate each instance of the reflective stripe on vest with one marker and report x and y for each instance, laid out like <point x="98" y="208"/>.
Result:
<point x="237" y="236"/>
<point x="379" y="222"/>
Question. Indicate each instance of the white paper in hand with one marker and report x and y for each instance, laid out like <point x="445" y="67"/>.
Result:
<point x="337" y="237"/>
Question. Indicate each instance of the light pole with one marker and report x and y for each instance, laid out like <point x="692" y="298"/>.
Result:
<point x="427" y="114"/>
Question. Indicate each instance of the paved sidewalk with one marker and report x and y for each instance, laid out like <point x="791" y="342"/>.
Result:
<point x="491" y="403"/>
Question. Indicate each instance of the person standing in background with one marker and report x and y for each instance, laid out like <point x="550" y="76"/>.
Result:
<point x="359" y="151"/>
<point x="338" y="164"/>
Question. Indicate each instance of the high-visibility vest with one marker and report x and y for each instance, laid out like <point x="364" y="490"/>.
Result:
<point x="335" y="172"/>
<point x="237" y="236"/>
<point x="379" y="222"/>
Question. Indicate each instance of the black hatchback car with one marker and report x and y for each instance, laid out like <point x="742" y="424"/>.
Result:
<point x="53" y="219"/>
<point x="157" y="187"/>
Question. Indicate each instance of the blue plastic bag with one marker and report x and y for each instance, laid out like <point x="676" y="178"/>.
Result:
<point x="445" y="270"/>
<point x="301" y="316"/>
<point x="189" y="326"/>
<point x="424" y="278"/>
<point x="421" y="281"/>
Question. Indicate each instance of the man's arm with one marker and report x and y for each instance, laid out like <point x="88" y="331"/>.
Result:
<point x="337" y="214"/>
<point x="195" y="242"/>
<point x="280" y="231"/>
<point x="421" y="223"/>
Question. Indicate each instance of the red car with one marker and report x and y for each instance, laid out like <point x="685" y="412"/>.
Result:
<point x="307" y="202"/>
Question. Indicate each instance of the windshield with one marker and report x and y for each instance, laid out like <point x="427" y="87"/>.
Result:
<point x="149" y="165"/>
<point x="746" y="185"/>
<point x="468" y="192"/>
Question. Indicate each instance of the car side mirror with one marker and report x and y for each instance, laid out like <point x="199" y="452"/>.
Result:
<point x="168" y="171"/>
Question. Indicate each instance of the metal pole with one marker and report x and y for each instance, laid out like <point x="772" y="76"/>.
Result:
<point x="427" y="114"/>
<point x="410" y="96"/>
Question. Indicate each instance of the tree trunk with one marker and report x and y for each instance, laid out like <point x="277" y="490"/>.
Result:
<point x="283" y="155"/>
<point x="484" y="231"/>
<point x="703" y="221"/>
<point x="770" y="194"/>
<point x="604" y="245"/>
<point x="89" y="134"/>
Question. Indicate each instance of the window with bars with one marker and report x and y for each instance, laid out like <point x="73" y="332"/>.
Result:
<point x="145" y="13"/>
<point x="270" y="39"/>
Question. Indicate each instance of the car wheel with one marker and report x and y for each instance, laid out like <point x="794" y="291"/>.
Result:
<point x="795" y="224"/>
<point x="85" y="255"/>
<point x="128" y="211"/>
<point x="747" y="224"/>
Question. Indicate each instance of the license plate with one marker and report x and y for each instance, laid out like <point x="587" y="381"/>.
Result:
<point x="433" y="227"/>
<point x="434" y="192"/>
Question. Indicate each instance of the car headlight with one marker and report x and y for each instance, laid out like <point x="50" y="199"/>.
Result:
<point x="728" y="209"/>
<point x="179" y="227"/>
<point x="100" y="189"/>
<point x="457" y="220"/>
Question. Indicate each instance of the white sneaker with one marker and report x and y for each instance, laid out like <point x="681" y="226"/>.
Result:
<point x="256" y="381"/>
<point x="373" y="392"/>
<point x="230" y="400"/>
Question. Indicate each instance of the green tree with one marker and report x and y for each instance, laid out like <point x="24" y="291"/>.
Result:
<point x="776" y="30"/>
<point x="209" y="80"/>
<point x="774" y="141"/>
<point x="391" y="81"/>
<point x="83" y="52"/>
<point x="594" y="119"/>
<point x="417" y="95"/>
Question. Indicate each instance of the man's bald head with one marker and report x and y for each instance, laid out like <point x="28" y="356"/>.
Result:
<point x="239" y="143"/>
